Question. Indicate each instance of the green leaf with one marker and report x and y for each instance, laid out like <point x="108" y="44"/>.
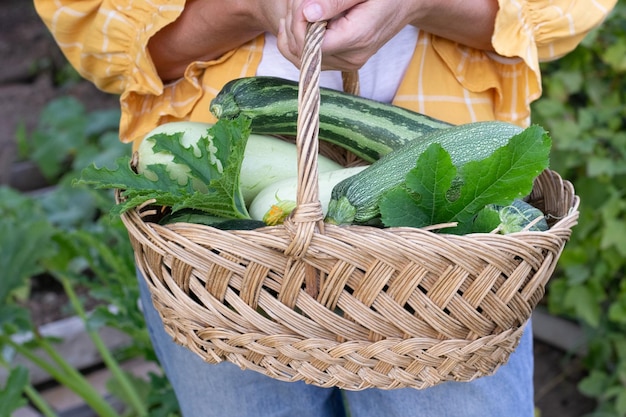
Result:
<point x="108" y="149"/>
<point x="101" y="121"/>
<point x="577" y="274"/>
<point x="614" y="235"/>
<point x="419" y="199"/>
<point x="161" y="399"/>
<point x="595" y="384"/>
<point x="217" y="165"/>
<point x="599" y="165"/>
<point x="581" y="299"/>
<point x="11" y="397"/>
<point x="620" y="401"/>
<point x="617" y="311"/>
<point x="433" y="192"/>
<point x="59" y="134"/>
<point x="14" y="318"/>
<point x="397" y="207"/>
<point x="70" y="207"/>
<point x="615" y="55"/>
<point x="141" y="387"/>
<point x="487" y="220"/>
<point x="123" y="177"/>
<point x="25" y="239"/>
<point x="549" y="107"/>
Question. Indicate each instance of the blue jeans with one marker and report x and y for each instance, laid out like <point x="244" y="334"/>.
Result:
<point x="224" y="390"/>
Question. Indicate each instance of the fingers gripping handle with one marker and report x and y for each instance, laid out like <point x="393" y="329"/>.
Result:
<point x="307" y="215"/>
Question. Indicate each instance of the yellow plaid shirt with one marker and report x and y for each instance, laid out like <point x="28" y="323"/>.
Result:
<point x="105" y="40"/>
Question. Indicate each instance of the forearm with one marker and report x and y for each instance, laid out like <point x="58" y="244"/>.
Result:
<point x="468" y="22"/>
<point x="205" y="30"/>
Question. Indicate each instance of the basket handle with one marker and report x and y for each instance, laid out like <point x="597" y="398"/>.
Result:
<point x="351" y="83"/>
<point x="307" y="216"/>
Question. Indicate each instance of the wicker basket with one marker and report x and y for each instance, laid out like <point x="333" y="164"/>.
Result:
<point x="353" y="307"/>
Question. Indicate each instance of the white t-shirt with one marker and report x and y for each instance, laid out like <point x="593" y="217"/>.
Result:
<point x="378" y="79"/>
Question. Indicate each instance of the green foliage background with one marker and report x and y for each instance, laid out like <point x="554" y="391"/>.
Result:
<point x="584" y="108"/>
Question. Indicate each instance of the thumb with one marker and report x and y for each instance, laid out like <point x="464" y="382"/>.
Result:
<point x="317" y="10"/>
<point x="313" y="12"/>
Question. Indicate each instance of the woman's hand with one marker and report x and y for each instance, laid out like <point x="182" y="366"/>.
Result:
<point x="357" y="29"/>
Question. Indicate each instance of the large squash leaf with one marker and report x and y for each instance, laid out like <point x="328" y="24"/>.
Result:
<point x="217" y="169"/>
<point x="437" y="192"/>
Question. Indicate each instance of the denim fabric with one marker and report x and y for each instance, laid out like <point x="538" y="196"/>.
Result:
<point x="224" y="390"/>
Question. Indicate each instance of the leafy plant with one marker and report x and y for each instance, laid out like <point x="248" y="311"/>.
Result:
<point x="10" y="398"/>
<point x="100" y="258"/>
<point x="66" y="233"/>
<point x="68" y="138"/>
<point x="23" y="227"/>
<point x="584" y="108"/>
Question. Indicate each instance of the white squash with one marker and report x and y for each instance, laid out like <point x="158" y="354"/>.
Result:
<point x="285" y="192"/>
<point x="267" y="159"/>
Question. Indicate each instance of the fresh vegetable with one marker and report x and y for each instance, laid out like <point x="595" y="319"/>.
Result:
<point x="516" y="217"/>
<point x="428" y="196"/>
<point x="215" y="163"/>
<point x="368" y="128"/>
<point x="418" y="185"/>
<point x="274" y="203"/>
<point x="266" y="159"/>
<point x="432" y="192"/>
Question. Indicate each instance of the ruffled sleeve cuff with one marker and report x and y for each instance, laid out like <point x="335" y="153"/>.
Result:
<point x="189" y="97"/>
<point x="539" y="30"/>
<point x="131" y="71"/>
<point x="535" y="31"/>
<point x="111" y="39"/>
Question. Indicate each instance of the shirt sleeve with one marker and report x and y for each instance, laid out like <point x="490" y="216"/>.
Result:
<point x="106" y="40"/>
<point x="542" y="30"/>
<point x="459" y="84"/>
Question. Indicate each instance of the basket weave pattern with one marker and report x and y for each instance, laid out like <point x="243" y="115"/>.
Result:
<point x="353" y="307"/>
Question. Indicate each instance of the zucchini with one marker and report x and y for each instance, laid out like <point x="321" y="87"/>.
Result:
<point x="201" y="217"/>
<point x="268" y="159"/>
<point x="367" y="128"/>
<point x="355" y="199"/>
<point x="279" y="195"/>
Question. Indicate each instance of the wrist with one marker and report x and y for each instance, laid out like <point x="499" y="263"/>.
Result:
<point x="469" y="22"/>
<point x="258" y="16"/>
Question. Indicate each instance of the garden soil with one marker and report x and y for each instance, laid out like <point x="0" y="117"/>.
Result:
<point x="30" y="59"/>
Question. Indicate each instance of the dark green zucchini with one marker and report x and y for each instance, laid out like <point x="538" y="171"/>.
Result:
<point x="355" y="199"/>
<point x="368" y="128"/>
<point x="200" y="217"/>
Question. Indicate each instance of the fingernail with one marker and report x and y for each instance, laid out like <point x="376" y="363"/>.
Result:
<point x="313" y="12"/>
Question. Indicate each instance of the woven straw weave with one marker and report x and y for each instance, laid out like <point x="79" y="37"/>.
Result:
<point x="353" y="307"/>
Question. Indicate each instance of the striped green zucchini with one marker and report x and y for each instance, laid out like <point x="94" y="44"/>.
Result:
<point x="368" y="128"/>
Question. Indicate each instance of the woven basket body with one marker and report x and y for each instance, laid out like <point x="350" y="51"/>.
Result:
<point x="352" y="307"/>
